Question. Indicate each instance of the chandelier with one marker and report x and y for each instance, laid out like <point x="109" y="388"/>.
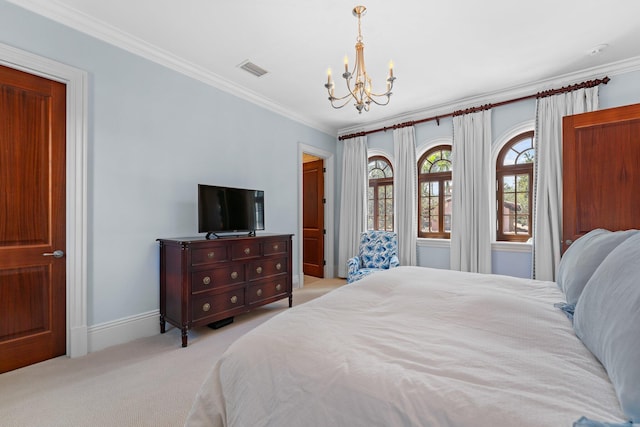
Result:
<point x="358" y="81"/>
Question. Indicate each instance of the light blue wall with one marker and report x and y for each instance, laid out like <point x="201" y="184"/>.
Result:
<point x="154" y="134"/>
<point x="623" y="89"/>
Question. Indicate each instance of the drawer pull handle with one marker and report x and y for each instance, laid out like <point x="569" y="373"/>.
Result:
<point x="259" y="292"/>
<point x="259" y="270"/>
<point x="278" y="266"/>
<point x="278" y="287"/>
<point x="234" y="275"/>
<point x="206" y="280"/>
<point x="211" y="254"/>
<point x="206" y="306"/>
<point x="275" y="247"/>
<point x="234" y="299"/>
<point x="247" y="251"/>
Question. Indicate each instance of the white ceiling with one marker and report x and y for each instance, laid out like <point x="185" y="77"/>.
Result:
<point x="445" y="53"/>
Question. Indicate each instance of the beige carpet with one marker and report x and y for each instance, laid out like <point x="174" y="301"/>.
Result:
<point x="147" y="382"/>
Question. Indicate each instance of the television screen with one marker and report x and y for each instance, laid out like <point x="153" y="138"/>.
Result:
<point x="229" y="210"/>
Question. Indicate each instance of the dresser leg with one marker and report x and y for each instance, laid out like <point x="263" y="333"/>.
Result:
<point x="184" y="336"/>
<point x="162" y="324"/>
<point x="290" y="300"/>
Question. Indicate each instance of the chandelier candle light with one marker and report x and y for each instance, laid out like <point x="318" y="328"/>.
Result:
<point x="361" y="90"/>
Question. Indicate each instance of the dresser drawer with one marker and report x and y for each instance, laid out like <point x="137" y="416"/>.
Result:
<point x="211" y="254"/>
<point x="267" y="267"/>
<point x="266" y="289"/>
<point x="273" y="247"/>
<point x="217" y="277"/>
<point x="207" y="305"/>
<point x="245" y="249"/>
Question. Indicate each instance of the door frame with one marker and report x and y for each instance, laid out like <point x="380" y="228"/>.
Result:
<point x="76" y="184"/>
<point x="329" y="165"/>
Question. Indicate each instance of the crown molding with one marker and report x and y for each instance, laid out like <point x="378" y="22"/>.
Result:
<point x="87" y="24"/>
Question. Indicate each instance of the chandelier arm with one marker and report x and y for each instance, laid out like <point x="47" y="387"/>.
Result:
<point x="341" y="98"/>
<point x="345" y="103"/>
<point x="388" y="92"/>
<point x="381" y="103"/>
<point x="352" y="92"/>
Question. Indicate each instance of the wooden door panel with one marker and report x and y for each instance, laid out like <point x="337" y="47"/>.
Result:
<point x="601" y="171"/>
<point x="313" y="218"/>
<point x="22" y="293"/>
<point x="32" y="219"/>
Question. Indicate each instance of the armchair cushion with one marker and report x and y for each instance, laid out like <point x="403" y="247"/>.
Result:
<point x="378" y="251"/>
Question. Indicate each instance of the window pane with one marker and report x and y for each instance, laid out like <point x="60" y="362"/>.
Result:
<point x="376" y="173"/>
<point x="434" y="188"/>
<point x="434" y="214"/>
<point x="523" y="202"/>
<point x="523" y="145"/>
<point x="522" y="224"/>
<point x="441" y="166"/>
<point x="389" y="215"/>
<point x="523" y="182"/>
<point x="425" y="167"/>
<point x="526" y="157"/>
<point x="508" y="224"/>
<point x="424" y="189"/>
<point x="448" y="188"/>
<point x="510" y="158"/>
<point x="508" y="183"/>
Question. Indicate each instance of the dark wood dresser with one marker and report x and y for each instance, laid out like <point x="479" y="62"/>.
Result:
<point x="206" y="281"/>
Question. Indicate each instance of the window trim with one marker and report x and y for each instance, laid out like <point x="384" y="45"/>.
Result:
<point x="378" y="182"/>
<point x="517" y="169"/>
<point x="439" y="177"/>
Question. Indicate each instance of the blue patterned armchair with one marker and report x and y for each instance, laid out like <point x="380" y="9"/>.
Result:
<point x="378" y="251"/>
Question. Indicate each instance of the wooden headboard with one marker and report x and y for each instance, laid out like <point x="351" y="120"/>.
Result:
<point x="601" y="171"/>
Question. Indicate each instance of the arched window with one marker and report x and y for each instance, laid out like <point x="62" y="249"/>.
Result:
<point x="514" y="176"/>
<point x="434" y="190"/>
<point x="380" y="194"/>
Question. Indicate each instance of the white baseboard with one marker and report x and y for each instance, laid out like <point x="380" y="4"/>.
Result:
<point x="123" y="330"/>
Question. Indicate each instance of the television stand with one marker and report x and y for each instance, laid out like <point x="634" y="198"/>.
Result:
<point x="205" y="281"/>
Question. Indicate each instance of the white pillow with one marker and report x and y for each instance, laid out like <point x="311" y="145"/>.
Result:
<point x="607" y="320"/>
<point x="583" y="257"/>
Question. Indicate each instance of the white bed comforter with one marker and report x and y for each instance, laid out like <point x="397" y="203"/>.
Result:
<point x="412" y="347"/>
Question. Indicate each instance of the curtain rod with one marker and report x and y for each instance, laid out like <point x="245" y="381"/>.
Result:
<point x="543" y="94"/>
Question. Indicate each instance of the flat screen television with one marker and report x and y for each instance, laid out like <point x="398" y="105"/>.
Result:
<point x="229" y="210"/>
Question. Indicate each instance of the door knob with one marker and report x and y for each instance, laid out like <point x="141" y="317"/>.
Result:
<point x="56" y="254"/>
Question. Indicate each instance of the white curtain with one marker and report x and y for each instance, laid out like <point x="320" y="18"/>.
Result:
<point x="405" y="193"/>
<point x="353" y="200"/>
<point x="547" y="231"/>
<point x="471" y="208"/>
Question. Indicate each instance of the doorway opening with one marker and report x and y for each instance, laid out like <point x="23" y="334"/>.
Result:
<point x="316" y="217"/>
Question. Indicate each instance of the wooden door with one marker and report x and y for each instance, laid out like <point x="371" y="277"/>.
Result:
<point x="601" y="171"/>
<point x="32" y="219"/>
<point x="313" y="218"/>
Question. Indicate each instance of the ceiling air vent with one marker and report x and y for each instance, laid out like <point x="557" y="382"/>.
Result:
<point x="252" y="68"/>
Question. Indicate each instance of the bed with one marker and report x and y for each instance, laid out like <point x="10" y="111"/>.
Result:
<point x="414" y="346"/>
